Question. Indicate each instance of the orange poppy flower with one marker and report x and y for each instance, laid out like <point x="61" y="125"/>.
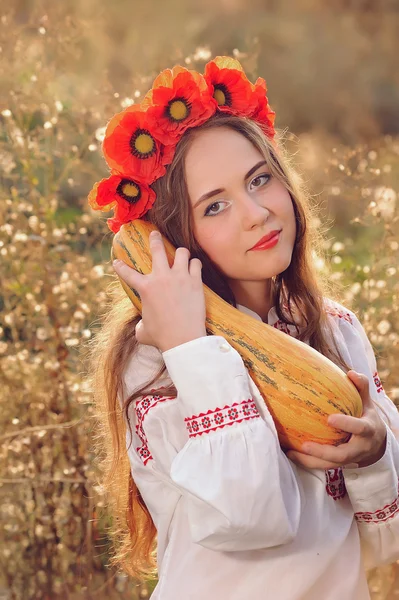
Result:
<point x="132" y="147"/>
<point x="263" y="114"/>
<point x="230" y="87"/>
<point x="130" y="199"/>
<point x="178" y="99"/>
<point x="101" y="200"/>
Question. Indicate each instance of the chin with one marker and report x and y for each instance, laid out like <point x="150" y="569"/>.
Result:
<point x="279" y="265"/>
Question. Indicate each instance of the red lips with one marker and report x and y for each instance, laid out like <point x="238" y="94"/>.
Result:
<point x="267" y="238"/>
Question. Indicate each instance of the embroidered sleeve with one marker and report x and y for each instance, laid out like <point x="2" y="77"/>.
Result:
<point x="221" y="417"/>
<point x="142" y="409"/>
<point x="214" y="446"/>
<point x="359" y="354"/>
<point x="373" y="492"/>
<point x="208" y="374"/>
<point x="380" y="515"/>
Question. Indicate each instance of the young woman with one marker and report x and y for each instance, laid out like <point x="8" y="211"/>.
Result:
<point x="234" y="515"/>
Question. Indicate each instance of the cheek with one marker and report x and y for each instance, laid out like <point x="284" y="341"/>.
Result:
<point x="216" y="241"/>
<point x="285" y="210"/>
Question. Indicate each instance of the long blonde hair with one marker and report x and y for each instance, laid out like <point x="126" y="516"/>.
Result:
<point x="296" y="291"/>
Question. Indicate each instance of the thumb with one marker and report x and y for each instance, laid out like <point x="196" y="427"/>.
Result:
<point x="141" y="335"/>
<point x="361" y="383"/>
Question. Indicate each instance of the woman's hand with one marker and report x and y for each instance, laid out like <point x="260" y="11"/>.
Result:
<point x="173" y="302"/>
<point x="367" y="442"/>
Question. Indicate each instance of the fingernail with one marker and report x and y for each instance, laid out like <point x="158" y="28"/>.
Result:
<point x="155" y="233"/>
<point x="116" y="262"/>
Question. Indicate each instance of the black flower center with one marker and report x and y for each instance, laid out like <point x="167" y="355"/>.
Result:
<point x="222" y="94"/>
<point x="129" y="191"/>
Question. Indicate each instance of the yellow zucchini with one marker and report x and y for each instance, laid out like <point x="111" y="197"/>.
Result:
<point x="300" y="386"/>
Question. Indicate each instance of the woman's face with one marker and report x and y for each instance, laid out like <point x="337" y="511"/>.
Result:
<point x="236" y="202"/>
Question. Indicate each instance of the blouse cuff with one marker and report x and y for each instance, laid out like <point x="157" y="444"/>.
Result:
<point x="209" y="375"/>
<point x="373" y="490"/>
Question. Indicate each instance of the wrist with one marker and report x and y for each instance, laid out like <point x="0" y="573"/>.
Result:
<point x="181" y="339"/>
<point x="374" y="458"/>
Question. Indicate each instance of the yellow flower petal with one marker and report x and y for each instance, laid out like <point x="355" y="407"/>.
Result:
<point x="225" y="62"/>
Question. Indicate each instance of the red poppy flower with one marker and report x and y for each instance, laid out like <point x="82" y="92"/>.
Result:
<point x="132" y="147"/>
<point x="130" y="199"/>
<point x="179" y="99"/>
<point x="263" y="114"/>
<point x="230" y="87"/>
<point x="114" y="224"/>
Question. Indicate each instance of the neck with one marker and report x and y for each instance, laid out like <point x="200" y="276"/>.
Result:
<point x="255" y="295"/>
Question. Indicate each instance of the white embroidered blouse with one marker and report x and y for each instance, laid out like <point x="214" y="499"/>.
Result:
<point x="236" y="519"/>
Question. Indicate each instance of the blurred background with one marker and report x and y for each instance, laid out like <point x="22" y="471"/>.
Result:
<point x="65" y="69"/>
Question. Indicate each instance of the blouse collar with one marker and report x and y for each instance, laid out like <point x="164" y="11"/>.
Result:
<point x="272" y="319"/>
<point x="252" y="313"/>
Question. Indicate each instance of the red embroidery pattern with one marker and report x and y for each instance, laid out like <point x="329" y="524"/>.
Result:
<point x="381" y="515"/>
<point x="143" y="406"/>
<point x="281" y="326"/>
<point x="221" y="417"/>
<point x="378" y="383"/>
<point x="335" y="483"/>
<point x="341" y="315"/>
<point x="285" y="328"/>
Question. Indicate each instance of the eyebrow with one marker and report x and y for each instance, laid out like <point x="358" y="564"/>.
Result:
<point x="209" y="195"/>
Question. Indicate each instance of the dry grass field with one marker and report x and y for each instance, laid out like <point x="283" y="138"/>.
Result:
<point x="65" y="69"/>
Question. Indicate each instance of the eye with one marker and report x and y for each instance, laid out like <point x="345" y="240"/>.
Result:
<point x="210" y="212"/>
<point x="260" y="180"/>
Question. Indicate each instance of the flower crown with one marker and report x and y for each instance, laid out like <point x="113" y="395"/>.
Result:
<point x="141" y="140"/>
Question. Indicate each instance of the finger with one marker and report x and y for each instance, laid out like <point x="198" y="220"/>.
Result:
<point x="158" y="253"/>
<point x="129" y="275"/>
<point x="361" y="383"/>
<point x="342" y="454"/>
<point x="182" y="257"/>
<point x="356" y="426"/>
<point x="310" y="462"/>
<point x="195" y="267"/>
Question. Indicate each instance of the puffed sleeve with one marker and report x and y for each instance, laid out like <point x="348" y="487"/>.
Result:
<point x="373" y="490"/>
<point x="359" y="355"/>
<point x="218" y="448"/>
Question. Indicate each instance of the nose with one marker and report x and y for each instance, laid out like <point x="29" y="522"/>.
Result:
<point x="251" y="213"/>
